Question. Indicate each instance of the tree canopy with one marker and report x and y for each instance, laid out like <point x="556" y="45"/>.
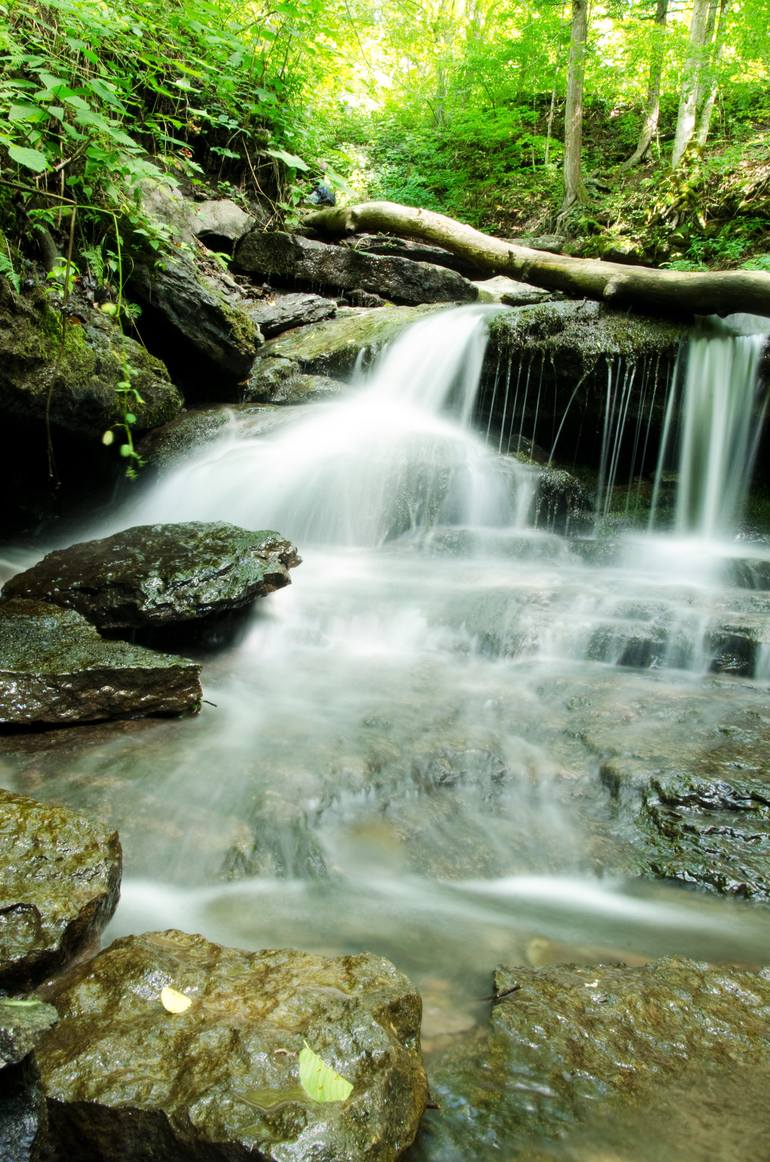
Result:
<point x="459" y="106"/>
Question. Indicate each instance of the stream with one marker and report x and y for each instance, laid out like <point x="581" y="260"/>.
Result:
<point x="406" y="750"/>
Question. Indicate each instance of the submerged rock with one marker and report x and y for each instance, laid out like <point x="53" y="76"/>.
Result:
<point x="59" y="884"/>
<point x="55" y="669"/>
<point x="298" y="260"/>
<point x="176" y="440"/>
<point x="576" y="1053"/>
<point x="278" y="380"/>
<point x="157" y="576"/>
<point x="126" y="1080"/>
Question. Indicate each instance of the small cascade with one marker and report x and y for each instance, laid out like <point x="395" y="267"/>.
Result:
<point x="713" y="415"/>
<point x="394" y="456"/>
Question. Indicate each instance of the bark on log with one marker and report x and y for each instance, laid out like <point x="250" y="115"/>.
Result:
<point x="670" y="292"/>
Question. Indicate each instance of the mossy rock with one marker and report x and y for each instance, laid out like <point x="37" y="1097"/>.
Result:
<point x="157" y="576"/>
<point x="69" y="370"/>
<point x="127" y="1081"/>
<point x="56" y="669"/>
<point x="59" y="884"/>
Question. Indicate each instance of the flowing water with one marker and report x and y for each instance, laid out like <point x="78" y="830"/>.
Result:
<point x="404" y="753"/>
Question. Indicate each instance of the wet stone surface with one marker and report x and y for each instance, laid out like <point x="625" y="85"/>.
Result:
<point x="160" y="575"/>
<point x="59" y="883"/>
<point x="55" y="669"/>
<point x="221" y="1079"/>
<point x="575" y="1050"/>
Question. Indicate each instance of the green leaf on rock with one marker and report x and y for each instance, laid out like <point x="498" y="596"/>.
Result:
<point x="319" y="1081"/>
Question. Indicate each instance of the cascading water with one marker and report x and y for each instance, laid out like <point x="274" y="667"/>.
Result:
<point x="403" y="754"/>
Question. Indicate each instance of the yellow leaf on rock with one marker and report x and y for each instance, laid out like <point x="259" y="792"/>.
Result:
<point x="174" y="1002"/>
<point x="319" y="1080"/>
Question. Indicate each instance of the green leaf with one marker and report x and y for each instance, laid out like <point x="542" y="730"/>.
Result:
<point x="108" y="437"/>
<point x="26" y="113"/>
<point x="30" y="158"/>
<point x="319" y="1081"/>
<point x="290" y="159"/>
<point x="30" y="1004"/>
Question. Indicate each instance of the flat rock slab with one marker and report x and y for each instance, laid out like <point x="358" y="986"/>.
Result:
<point x="598" y="1054"/>
<point x="292" y="258"/>
<point x="55" y="669"/>
<point x="160" y="576"/>
<point x="59" y="883"/>
<point x="292" y="310"/>
<point x="127" y="1081"/>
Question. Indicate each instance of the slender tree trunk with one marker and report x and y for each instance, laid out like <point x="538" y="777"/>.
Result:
<point x="652" y="108"/>
<point x="691" y="81"/>
<point x="671" y="292"/>
<point x="712" y="86"/>
<point x="574" y="190"/>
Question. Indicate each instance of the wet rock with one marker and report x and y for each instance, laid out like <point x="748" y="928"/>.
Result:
<point x="297" y="260"/>
<point x="279" y="380"/>
<point x="219" y="223"/>
<point x="192" y="310"/>
<point x="23" y="1114"/>
<point x="292" y="310"/>
<point x="56" y="669"/>
<point x="561" y="503"/>
<point x="510" y="292"/>
<point x="335" y="347"/>
<point x="59" y="881"/>
<point x="575" y="1054"/>
<point x="220" y="1081"/>
<point x="157" y="576"/>
<point x="22" y="1023"/>
<point x="190" y="430"/>
<point x="556" y="361"/>
<point x="73" y="375"/>
<point x="712" y="833"/>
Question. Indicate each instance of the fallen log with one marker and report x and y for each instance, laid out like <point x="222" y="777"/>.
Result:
<point x="672" y="292"/>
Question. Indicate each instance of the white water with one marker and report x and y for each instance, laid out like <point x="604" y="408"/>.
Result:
<point x="403" y="753"/>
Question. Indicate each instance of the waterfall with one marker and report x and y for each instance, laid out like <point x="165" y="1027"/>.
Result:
<point x="395" y="455"/>
<point x="718" y="420"/>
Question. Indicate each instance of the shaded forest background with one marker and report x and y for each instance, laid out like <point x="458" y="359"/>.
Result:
<point x="632" y="129"/>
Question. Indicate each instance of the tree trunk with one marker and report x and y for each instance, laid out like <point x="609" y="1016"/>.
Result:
<point x="652" y="108"/>
<point x="691" y="81"/>
<point x="574" y="190"/>
<point x="712" y="84"/>
<point x="670" y="292"/>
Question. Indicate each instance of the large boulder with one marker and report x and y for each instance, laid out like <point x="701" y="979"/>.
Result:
<point x="182" y="305"/>
<point x="158" y="576"/>
<point x="68" y="373"/>
<point x="586" y="1055"/>
<point x="219" y="223"/>
<point x="56" y="669"/>
<point x="555" y="369"/>
<point x="127" y="1080"/>
<point x="59" y="884"/>
<point x="303" y="261"/>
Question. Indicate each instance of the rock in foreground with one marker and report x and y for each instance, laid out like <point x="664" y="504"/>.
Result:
<point x="127" y="1081"/>
<point x="158" y="576"/>
<point x="59" y="883"/>
<point x="670" y="1060"/>
<point x="55" y="669"/>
